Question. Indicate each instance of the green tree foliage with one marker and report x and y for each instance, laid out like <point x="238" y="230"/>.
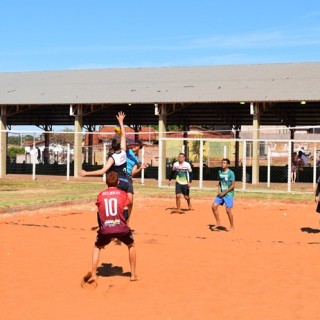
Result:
<point x="13" y="151"/>
<point x="63" y="138"/>
<point x="14" y="140"/>
<point x="195" y="151"/>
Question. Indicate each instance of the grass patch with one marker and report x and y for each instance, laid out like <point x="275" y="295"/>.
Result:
<point x="18" y="194"/>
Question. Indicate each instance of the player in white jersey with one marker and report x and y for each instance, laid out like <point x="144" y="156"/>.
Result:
<point x="183" y="172"/>
<point x="117" y="161"/>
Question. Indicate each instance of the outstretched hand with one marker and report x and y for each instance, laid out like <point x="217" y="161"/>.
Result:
<point x="121" y="115"/>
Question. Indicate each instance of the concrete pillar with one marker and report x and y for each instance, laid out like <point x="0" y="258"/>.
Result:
<point x="256" y="142"/>
<point x="162" y="134"/>
<point x="46" y="152"/>
<point x="3" y="141"/>
<point x="237" y="156"/>
<point x="78" y="123"/>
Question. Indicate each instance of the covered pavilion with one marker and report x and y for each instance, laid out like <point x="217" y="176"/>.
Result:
<point x="233" y="95"/>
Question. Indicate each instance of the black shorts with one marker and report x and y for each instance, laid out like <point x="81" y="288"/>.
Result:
<point x="130" y="185"/>
<point x="126" y="185"/>
<point x="182" y="189"/>
<point x="104" y="239"/>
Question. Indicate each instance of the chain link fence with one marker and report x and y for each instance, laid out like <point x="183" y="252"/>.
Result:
<point x="282" y="165"/>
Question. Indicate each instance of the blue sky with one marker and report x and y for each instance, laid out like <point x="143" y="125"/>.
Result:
<point x="69" y="34"/>
<point x="77" y="34"/>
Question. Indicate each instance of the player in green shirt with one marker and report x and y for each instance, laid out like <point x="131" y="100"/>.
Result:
<point x="226" y="194"/>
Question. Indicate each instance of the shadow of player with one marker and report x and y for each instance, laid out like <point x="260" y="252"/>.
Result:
<point x="213" y="227"/>
<point x="309" y="230"/>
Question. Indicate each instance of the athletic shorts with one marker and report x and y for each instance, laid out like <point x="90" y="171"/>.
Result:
<point x="123" y="184"/>
<point x="130" y="185"/>
<point x="228" y="201"/>
<point x="182" y="189"/>
<point x="104" y="239"/>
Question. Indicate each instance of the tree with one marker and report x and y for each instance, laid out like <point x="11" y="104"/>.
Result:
<point x="67" y="136"/>
<point x="13" y="151"/>
<point x="14" y="140"/>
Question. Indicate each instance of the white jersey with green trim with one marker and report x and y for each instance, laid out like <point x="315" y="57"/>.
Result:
<point x="183" y="172"/>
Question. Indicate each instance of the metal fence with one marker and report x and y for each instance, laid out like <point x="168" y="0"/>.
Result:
<point x="274" y="159"/>
<point x="279" y="170"/>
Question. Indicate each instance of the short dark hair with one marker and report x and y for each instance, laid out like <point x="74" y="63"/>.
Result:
<point x="115" y="145"/>
<point x="112" y="179"/>
<point x="137" y="143"/>
<point x="226" y="160"/>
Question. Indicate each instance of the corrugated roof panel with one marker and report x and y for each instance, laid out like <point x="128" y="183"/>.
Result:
<point x="264" y="82"/>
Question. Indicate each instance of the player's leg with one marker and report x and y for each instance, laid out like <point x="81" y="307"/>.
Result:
<point x="186" y="194"/>
<point x="101" y="241"/>
<point x="130" y="205"/>
<point x="178" y="195"/>
<point x="132" y="261"/>
<point x="95" y="261"/>
<point x="178" y="201"/>
<point x="215" y="205"/>
<point x="229" y="206"/>
<point x="188" y="202"/>
<point x="130" y="196"/>
<point x="128" y="240"/>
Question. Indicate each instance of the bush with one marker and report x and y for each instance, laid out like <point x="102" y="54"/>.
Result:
<point x="14" y="150"/>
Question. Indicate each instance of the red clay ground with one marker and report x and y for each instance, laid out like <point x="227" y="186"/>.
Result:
<point x="267" y="269"/>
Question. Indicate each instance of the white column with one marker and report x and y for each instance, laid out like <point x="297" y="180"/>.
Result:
<point x="244" y="165"/>
<point x="201" y="165"/>
<point x="255" y="143"/>
<point x="162" y="134"/>
<point x="68" y="161"/>
<point x="314" y="167"/>
<point x="142" y="161"/>
<point x="78" y="142"/>
<point x="269" y="166"/>
<point x="289" y="164"/>
<point x="3" y="141"/>
<point x="34" y="158"/>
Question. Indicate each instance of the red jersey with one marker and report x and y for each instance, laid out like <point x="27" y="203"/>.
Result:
<point x="111" y="203"/>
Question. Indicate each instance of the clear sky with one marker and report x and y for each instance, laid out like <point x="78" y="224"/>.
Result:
<point x="77" y="34"/>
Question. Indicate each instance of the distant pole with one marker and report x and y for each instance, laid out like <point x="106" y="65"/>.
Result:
<point x="34" y="158"/>
<point x="104" y="160"/>
<point x="269" y="165"/>
<point x="142" y="160"/>
<point x="68" y="161"/>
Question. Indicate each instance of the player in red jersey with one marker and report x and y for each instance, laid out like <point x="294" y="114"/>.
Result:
<point x="112" y="206"/>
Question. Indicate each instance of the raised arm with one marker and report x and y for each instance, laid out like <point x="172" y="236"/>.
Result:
<point x="121" y="115"/>
<point x="99" y="172"/>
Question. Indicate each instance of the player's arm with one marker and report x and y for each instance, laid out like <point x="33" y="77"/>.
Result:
<point x="232" y="186"/>
<point x="172" y="174"/>
<point x="189" y="177"/>
<point x="136" y="169"/>
<point x="317" y="193"/>
<point x="99" y="172"/>
<point x="121" y="115"/>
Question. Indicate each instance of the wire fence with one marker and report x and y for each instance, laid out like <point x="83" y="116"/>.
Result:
<point x="284" y="165"/>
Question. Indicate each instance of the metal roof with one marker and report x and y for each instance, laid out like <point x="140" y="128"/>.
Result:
<point x="206" y="84"/>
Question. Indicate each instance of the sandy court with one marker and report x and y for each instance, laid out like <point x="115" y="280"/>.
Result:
<point x="267" y="269"/>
